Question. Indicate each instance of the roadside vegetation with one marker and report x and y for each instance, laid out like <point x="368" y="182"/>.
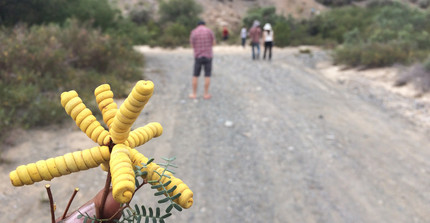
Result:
<point x="51" y="46"/>
<point x="383" y="33"/>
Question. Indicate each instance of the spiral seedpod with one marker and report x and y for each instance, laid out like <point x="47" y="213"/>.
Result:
<point x="59" y="166"/>
<point x="130" y="110"/>
<point x="121" y="168"/>
<point x="84" y="118"/>
<point x="186" y="198"/>
<point x="143" y="134"/>
<point x="104" y="98"/>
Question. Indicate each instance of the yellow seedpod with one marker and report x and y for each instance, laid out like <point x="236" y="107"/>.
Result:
<point x="84" y="118"/>
<point x="59" y="166"/>
<point x="122" y="173"/>
<point x="185" y="200"/>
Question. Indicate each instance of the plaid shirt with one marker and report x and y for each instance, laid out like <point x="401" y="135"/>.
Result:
<point x="255" y="34"/>
<point x="202" y="39"/>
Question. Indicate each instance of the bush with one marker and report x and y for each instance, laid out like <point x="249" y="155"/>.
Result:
<point x="35" y="12"/>
<point x="38" y="63"/>
<point x="184" y="12"/>
<point x="373" y="54"/>
<point x="175" y="34"/>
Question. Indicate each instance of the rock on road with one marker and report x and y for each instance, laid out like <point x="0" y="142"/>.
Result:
<point x="276" y="143"/>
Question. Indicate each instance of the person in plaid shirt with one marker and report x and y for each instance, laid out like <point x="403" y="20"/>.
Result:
<point x="202" y="39"/>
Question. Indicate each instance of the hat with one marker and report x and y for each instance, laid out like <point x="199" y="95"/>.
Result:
<point x="256" y="23"/>
<point x="267" y="26"/>
<point x="201" y="22"/>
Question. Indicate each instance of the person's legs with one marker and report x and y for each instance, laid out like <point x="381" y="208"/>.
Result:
<point x="265" y="49"/>
<point x="253" y="50"/>
<point x="208" y="73"/>
<point x="243" y="42"/>
<point x="196" y="74"/>
<point x="258" y="50"/>
<point x="207" y="83"/>
<point x="270" y="50"/>
<point x="194" y="84"/>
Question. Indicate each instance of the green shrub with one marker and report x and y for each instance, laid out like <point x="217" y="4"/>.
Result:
<point x="175" y="34"/>
<point x="373" y="54"/>
<point x="38" y="63"/>
<point x="184" y="12"/>
<point x="35" y="12"/>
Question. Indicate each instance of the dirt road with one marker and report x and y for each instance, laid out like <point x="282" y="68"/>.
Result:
<point x="278" y="142"/>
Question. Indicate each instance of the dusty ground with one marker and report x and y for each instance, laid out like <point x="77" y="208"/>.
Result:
<point x="307" y="143"/>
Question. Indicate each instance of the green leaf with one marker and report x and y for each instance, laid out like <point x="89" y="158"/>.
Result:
<point x="164" y="200"/>
<point x="154" y="220"/>
<point x="167" y="176"/>
<point x="166" y="215"/>
<point x="173" y="165"/>
<point x="143" y="211"/>
<point x="138" y="218"/>
<point x="150" y="161"/>
<point x="80" y="216"/>
<point x="179" y="208"/>
<point x="159" y="193"/>
<point x="175" y="196"/>
<point x="153" y="181"/>
<point x="171" y="189"/>
<point x="151" y="212"/>
<point x="136" y="182"/>
<point x="137" y="209"/>
<point x="157" y="212"/>
<point x="156" y="186"/>
<point x="93" y="221"/>
<point x="129" y="212"/>
<point x="167" y="183"/>
<point x="161" y="220"/>
<point x="146" y="219"/>
<point x="168" y="209"/>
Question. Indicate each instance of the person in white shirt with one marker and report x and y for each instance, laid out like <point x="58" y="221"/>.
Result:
<point x="243" y="35"/>
<point x="268" y="37"/>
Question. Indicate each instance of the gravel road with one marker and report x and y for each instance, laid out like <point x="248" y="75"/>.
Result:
<point x="277" y="142"/>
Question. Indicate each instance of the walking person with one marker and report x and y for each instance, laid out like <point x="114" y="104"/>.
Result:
<point x="268" y="37"/>
<point x="224" y="33"/>
<point x="243" y="35"/>
<point x="202" y="39"/>
<point x="255" y="35"/>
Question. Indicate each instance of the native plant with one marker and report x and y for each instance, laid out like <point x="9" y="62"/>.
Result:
<point x="116" y="153"/>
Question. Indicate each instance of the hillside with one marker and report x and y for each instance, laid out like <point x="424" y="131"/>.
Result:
<point x="230" y="12"/>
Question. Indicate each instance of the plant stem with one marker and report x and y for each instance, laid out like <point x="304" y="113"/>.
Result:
<point x="105" y="192"/>
<point x="70" y="203"/>
<point x="51" y="202"/>
<point x="119" y="210"/>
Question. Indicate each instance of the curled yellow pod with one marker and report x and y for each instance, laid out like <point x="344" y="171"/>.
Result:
<point x="108" y="116"/>
<point x="83" y="117"/>
<point x="128" y="111"/>
<point x="14" y="179"/>
<point x="59" y="166"/>
<point x="143" y="134"/>
<point x="67" y="96"/>
<point x="185" y="200"/>
<point x="105" y="166"/>
<point x="122" y="174"/>
<point x="33" y="172"/>
<point x="104" y="98"/>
